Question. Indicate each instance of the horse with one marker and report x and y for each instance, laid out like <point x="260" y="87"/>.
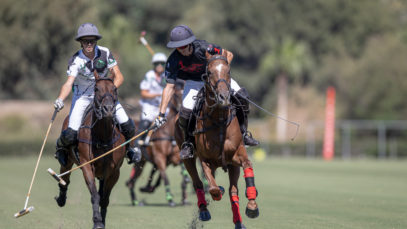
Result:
<point x="98" y="134"/>
<point x="219" y="142"/>
<point x="161" y="152"/>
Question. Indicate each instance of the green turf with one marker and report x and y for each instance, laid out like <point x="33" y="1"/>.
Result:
<point x="293" y="193"/>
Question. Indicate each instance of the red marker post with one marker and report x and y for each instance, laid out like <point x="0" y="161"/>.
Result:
<point x="329" y="137"/>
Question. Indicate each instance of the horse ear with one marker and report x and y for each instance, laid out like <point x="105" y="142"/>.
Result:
<point x="208" y="56"/>
<point x="95" y="73"/>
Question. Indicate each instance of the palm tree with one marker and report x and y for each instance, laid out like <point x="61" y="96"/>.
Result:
<point x="286" y="60"/>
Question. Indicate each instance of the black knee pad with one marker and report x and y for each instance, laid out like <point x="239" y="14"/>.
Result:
<point x="69" y="137"/>
<point x="242" y="93"/>
<point x="128" y="129"/>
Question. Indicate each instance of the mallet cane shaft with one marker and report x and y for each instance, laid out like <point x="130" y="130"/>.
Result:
<point x="61" y="181"/>
<point x="30" y="209"/>
<point x="145" y="43"/>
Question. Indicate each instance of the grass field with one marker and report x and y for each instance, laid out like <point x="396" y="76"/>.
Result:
<point x="293" y="193"/>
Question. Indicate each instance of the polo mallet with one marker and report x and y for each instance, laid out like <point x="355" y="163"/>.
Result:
<point x="145" y="43"/>
<point x="62" y="182"/>
<point x="147" y="139"/>
<point x="31" y="208"/>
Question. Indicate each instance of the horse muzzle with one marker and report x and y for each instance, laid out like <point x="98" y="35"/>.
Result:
<point x="108" y="110"/>
<point x="223" y="99"/>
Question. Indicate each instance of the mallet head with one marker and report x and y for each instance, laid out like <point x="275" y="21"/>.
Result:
<point x="56" y="177"/>
<point x="24" y="212"/>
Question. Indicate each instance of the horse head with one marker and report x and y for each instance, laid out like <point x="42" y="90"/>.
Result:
<point x="217" y="80"/>
<point x="105" y="98"/>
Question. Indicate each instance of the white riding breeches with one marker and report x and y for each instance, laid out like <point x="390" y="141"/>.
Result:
<point x="79" y="105"/>
<point x="191" y="89"/>
<point x="149" y="112"/>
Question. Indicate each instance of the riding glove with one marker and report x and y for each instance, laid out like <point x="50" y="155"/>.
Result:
<point x="159" y="121"/>
<point x="59" y="104"/>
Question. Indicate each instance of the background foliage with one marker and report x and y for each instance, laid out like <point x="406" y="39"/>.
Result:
<point x="357" y="46"/>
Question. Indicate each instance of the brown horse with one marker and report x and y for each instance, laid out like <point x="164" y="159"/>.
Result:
<point x="219" y="143"/>
<point x="161" y="152"/>
<point x="97" y="135"/>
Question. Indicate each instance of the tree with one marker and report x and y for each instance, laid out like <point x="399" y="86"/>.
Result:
<point x="288" y="60"/>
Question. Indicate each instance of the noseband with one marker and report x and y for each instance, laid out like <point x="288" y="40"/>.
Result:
<point x="97" y="105"/>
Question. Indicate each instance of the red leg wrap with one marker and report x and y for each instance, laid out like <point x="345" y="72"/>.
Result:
<point x="132" y="173"/>
<point x="234" y="201"/>
<point x="251" y="192"/>
<point x="248" y="172"/>
<point x="200" y="193"/>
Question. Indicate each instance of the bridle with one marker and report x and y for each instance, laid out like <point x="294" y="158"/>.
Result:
<point x="205" y="77"/>
<point x="98" y="102"/>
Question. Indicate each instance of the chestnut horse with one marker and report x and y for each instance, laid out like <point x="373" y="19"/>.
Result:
<point x="219" y="142"/>
<point x="161" y="152"/>
<point x="97" y="135"/>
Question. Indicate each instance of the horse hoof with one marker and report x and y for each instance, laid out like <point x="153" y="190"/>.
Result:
<point x="147" y="189"/>
<point x="60" y="200"/>
<point x="204" y="215"/>
<point x="141" y="204"/>
<point x="186" y="202"/>
<point x="239" y="225"/>
<point x="98" y="225"/>
<point x="217" y="193"/>
<point x="252" y="213"/>
<point x="171" y="203"/>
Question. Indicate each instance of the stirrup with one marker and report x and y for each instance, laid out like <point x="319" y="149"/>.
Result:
<point x="249" y="140"/>
<point x="187" y="150"/>
<point x="133" y="155"/>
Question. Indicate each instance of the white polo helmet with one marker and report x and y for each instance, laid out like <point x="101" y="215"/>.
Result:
<point x="159" y="57"/>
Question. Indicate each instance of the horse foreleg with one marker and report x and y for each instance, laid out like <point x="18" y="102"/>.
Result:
<point x="131" y="182"/>
<point x="185" y="181"/>
<point x="95" y="198"/>
<point x="61" y="198"/>
<point x="148" y="187"/>
<point x="234" y="173"/>
<point x="160" y="161"/>
<point x="215" y="191"/>
<point x="190" y="165"/>
<point x="106" y="186"/>
<point x="241" y="158"/>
